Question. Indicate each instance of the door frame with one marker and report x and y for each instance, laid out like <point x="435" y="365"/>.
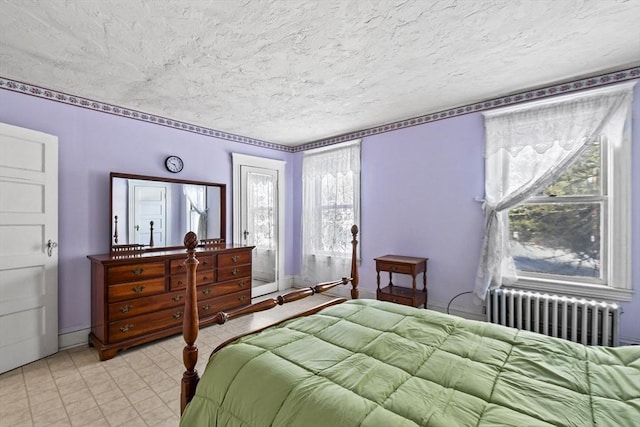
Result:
<point x="240" y="160"/>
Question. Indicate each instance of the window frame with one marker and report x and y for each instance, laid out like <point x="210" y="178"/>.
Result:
<point x="615" y="230"/>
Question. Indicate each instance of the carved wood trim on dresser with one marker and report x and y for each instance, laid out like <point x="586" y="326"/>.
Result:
<point x="139" y="298"/>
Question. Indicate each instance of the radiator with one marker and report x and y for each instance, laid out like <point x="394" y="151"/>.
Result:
<point x="584" y="321"/>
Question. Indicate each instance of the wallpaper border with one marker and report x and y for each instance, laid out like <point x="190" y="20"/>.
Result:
<point x="533" y="94"/>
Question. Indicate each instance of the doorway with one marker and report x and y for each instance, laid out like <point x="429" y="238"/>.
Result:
<point x="258" y="208"/>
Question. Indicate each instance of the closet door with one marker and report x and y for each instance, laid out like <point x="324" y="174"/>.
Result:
<point x="28" y="246"/>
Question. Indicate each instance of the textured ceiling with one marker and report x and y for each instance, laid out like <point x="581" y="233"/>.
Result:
<point x="295" y="71"/>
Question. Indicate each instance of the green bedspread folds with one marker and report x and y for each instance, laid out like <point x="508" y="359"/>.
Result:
<point x="370" y="363"/>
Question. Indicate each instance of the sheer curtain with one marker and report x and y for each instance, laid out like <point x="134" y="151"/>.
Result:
<point x="261" y="223"/>
<point x="331" y="205"/>
<point x="260" y="210"/>
<point x="197" y="201"/>
<point x="526" y="148"/>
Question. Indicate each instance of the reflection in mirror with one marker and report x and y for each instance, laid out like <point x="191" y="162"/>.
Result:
<point x="158" y="212"/>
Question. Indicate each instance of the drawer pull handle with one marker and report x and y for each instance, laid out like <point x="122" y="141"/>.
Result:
<point x="126" y="328"/>
<point x="138" y="289"/>
<point x="125" y="308"/>
<point x="206" y="307"/>
<point x="235" y="258"/>
<point x="137" y="271"/>
<point x="177" y="315"/>
<point x="179" y="282"/>
<point x="180" y="267"/>
<point x="242" y="298"/>
<point x="205" y="262"/>
<point x="241" y="284"/>
<point x="235" y="271"/>
<point x="204" y="278"/>
<point x="394" y="268"/>
<point x="177" y="298"/>
<point x="206" y="291"/>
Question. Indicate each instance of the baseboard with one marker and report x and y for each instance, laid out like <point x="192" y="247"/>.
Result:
<point x="287" y="282"/>
<point x="629" y="341"/>
<point x="73" y="339"/>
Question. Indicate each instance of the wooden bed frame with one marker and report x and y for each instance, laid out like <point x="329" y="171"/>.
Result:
<point x="190" y="324"/>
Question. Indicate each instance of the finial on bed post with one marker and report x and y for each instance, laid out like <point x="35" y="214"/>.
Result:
<point x="151" y="244"/>
<point x="190" y="324"/>
<point x="354" y="263"/>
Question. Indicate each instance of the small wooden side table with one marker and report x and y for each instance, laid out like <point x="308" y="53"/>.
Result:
<point x="402" y="265"/>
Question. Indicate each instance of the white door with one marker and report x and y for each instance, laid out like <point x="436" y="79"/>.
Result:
<point x="148" y="203"/>
<point x="259" y="218"/>
<point x="28" y="241"/>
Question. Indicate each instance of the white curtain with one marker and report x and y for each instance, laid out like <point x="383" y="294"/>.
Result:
<point x="526" y="148"/>
<point x="195" y="195"/>
<point x="331" y="205"/>
<point x="261" y="221"/>
<point x="261" y="209"/>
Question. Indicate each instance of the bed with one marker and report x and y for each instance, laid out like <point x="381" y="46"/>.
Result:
<point x="373" y="363"/>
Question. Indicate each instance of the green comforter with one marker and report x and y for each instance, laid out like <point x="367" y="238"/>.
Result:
<point x="370" y="363"/>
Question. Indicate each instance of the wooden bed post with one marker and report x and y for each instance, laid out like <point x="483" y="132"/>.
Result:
<point x="191" y="321"/>
<point x="354" y="263"/>
<point x="190" y="324"/>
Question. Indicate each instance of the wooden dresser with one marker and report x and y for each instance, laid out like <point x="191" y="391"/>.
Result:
<point x="136" y="299"/>
<point x="400" y="264"/>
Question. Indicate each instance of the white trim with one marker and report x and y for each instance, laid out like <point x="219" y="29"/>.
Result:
<point x="619" y="220"/>
<point x="239" y="160"/>
<point x="629" y="340"/>
<point x="73" y="339"/>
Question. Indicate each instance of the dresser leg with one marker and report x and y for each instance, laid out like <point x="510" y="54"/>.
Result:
<point x="107" y="354"/>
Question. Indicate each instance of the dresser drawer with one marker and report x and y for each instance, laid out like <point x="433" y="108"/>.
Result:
<point x="206" y="262"/>
<point x="394" y="268"/>
<point x="238" y="272"/>
<point x="397" y="298"/>
<point x="224" y="288"/>
<point x="138" y="306"/>
<point x="211" y="306"/>
<point x="141" y="288"/>
<point x="140" y="325"/>
<point x="202" y="278"/>
<point x="402" y="295"/>
<point x="131" y="272"/>
<point x="234" y="258"/>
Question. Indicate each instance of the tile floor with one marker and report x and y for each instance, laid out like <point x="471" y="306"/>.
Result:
<point x="138" y="387"/>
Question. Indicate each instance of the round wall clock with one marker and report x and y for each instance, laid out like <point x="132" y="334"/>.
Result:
<point x="174" y="164"/>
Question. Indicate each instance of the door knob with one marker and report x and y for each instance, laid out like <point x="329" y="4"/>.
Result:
<point x="50" y="246"/>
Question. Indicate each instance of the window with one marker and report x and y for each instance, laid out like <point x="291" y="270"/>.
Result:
<point x="196" y="208"/>
<point x="331" y="205"/>
<point x="559" y="230"/>
<point x="557" y="190"/>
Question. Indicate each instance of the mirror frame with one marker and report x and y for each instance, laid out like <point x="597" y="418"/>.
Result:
<point x="223" y="204"/>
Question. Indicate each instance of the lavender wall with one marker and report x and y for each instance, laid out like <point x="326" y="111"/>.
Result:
<point x="418" y="191"/>
<point x="92" y="144"/>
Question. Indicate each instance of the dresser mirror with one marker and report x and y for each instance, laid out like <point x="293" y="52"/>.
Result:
<point x="155" y="213"/>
